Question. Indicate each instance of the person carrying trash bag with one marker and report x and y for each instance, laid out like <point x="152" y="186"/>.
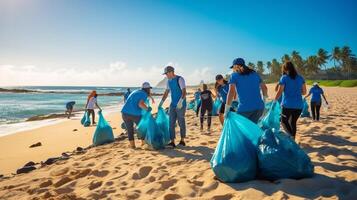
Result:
<point x="315" y="102"/>
<point x="292" y="86"/>
<point x="247" y="84"/>
<point x="132" y="110"/>
<point x="177" y="87"/>
<point x="149" y="129"/>
<point x="305" y="109"/>
<point x="103" y="133"/>
<point x="222" y="88"/>
<point x="235" y="157"/>
<point x="85" y="121"/>
<point x="271" y="120"/>
<point x="280" y="157"/>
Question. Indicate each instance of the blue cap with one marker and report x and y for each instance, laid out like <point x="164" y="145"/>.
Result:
<point x="238" y="61"/>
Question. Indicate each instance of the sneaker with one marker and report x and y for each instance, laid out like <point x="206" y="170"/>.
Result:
<point x="171" y="144"/>
<point x="182" y="143"/>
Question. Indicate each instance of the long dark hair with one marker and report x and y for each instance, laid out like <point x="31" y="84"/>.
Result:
<point x="245" y="70"/>
<point x="289" y="69"/>
<point x="217" y="86"/>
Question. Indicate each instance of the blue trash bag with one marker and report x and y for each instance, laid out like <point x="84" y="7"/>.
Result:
<point x="103" y="133"/>
<point x="271" y="119"/>
<point x="191" y="105"/>
<point x="216" y="106"/>
<point x="280" y="157"/>
<point x="142" y="127"/>
<point x="149" y="130"/>
<point x="235" y="157"/>
<point x="86" y="121"/>
<point x="197" y="102"/>
<point x="162" y="121"/>
<point x="305" y="109"/>
<point x="234" y="106"/>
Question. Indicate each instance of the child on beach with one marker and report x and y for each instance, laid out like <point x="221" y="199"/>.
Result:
<point x="91" y="104"/>
<point x="69" y="108"/>
<point x="222" y="89"/>
<point x="206" y="105"/>
<point x="315" y="102"/>
<point x="292" y="86"/>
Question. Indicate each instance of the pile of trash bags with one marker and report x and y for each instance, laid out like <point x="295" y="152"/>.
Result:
<point x="85" y="121"/>
<point x="271" y="118"/>
<point x="103" y="133"/>
<point x="216" y="106"/>
<point x="155" y="132"/>
<point x="245" y="152"/>
<point x="305" y="109"/>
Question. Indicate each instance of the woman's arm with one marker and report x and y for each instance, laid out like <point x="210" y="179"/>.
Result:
<point x="143" y="105"/>
<point x="279" y="92"/>
<point x="264" y="89"/>
<point x="231" y="94"/>
<point x="324" y="98"/>
<point x="303" y="89"/>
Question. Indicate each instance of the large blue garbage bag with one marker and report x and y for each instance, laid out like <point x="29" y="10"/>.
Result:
<point x="85" y="120"/>
<point x="280" y="157"/>
<point x="271" y="119"/>
<point x="234" y="106"/>
<point x="235" y="158"/>
<point x="142" y="126"/>
<point x="197" y="103"/>
<point x="149" y="130"/>
<point x="191" y="105"/>
<point x="216" y="106"/>
<point x="162" y="121"/>
<point x="104" y="132"/>
<point x="305" y="109"/>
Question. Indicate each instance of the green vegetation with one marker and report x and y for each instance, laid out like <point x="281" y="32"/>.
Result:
<point x="334" y="83"/>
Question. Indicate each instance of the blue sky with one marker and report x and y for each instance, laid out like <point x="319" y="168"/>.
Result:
<point x="70" y="40"/>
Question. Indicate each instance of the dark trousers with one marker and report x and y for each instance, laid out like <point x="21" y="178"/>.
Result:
<point x="129" y="121"/>
<point x="315" y="110"/>
<point x="289" y="118"/>
<point x="205" y="108"/>
<point x="91" y="112"/>
<point x="198" y="108"/>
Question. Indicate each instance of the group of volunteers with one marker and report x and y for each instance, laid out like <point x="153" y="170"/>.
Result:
<point x="244" y="86"/>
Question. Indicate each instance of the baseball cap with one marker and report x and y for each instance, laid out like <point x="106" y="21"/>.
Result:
<point x="315" y="83"/>
<point x="168" y="69"/>
<point x="146" y="85"/>
<point x="219" y="77"/>
<point x="238" y="61"/>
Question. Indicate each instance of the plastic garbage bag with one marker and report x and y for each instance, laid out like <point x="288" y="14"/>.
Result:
<point x="162" y="121"/>
<point x="305" y="109"/>
<point x="325" y="106"/>
<point x="235" y="158"/>
<point x="149" y="130"/>
<point x="191" y="105"/>
<point x="86" y="121"/>
<point x="216" y="106"/>
<point x="103" y="133"/>
<point x="234" y="106"/>
<point x="271" y="119"/>
<point x="197" y="103"/>
<point x="280" y="157"/>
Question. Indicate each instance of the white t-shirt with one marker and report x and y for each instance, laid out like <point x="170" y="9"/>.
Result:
<point x="181" y="83"/>
<point x="91" y="103"/>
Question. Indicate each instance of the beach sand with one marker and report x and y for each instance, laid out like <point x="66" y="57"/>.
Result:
<point x="114" y="171"/>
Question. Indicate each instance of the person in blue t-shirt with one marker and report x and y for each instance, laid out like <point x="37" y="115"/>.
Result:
<point x="247" y="84"/>
<point x="69" y="108"/>
<point x="177" y="87"/>
<point x="126" y="95"/>
<point x="197" y="96"/>
<point x="315" y="102"/>
<point x="292" y="87"/>
<point x="222" y="88"/>
<point x="131" y="111"/>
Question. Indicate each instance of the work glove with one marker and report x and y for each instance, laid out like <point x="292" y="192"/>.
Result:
<point x="179" y="104"/>
<point x="226" y="110"/>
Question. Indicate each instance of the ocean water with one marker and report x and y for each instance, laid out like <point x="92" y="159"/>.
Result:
<point x="18" y="107"/>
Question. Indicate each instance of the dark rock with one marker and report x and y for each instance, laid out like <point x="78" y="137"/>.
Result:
<point x="50" y="161"/>
<point x="36" y="145"/>
<point x="1" y="175"/>
<point x="25" y="169"/>
<point x="80" y="149"/>
<point x="74" y="130"/>
<point x="64" y="154"/>
<point x="29" y="164"/>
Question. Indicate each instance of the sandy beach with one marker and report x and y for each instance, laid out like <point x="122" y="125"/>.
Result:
<point x="114" y="171"/>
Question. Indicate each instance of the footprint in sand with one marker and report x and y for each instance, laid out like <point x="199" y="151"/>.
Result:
<point x="222" y="197"/>
<point x="62" y="181"/>
<point x="167" y="184"/>
<point x="83" y="173"/>
<point x="143" y="172"/>
<point x="172" y="196"/>
<point x="46" y="184"/>
<point x="98" y="173"/>
<point x="95" y="184"/>
<point x="59" y="172"/>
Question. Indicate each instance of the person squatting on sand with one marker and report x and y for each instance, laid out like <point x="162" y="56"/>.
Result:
<point x="247" y="84"/>
<point x="222" y="88"/>
<point x="177" y="87"/>
<point x="292" y="86"/>
<point x="131" y="111"/>
<point x="315" y="102"/>
<point x="90" y="105"/>
<point x="206" y="105"/>
<point x="69" y="108"/>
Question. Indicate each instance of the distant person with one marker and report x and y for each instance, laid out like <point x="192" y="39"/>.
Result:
<point x="177" y="87"/>
<point x="206" y="106"/>
<point x="91" y="104"/>
<point x="197" y="96"/>
<point x="222" y="88"/>
<point x="69" y="108"/>
<point x="247" y="84"/>
<point x="292" y="86"/>
<point x="315" y="102"/>
<point x="131" y="111"/>
<point x="126" y="95"/>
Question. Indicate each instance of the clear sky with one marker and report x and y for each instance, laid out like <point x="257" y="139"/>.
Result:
<point x="87" y="42"/>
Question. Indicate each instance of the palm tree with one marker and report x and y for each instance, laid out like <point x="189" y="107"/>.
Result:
<point x="322" y="57"/>
<point x="275" y="69"/>
<point x="312" y="66"/>
<point x="260" y="67"/>
<point x="269" y="66"/>
<point x="347" y="57"/>
<point x="251" y="65"/>
<point x="298" y="62"/>
<point x="285" y="58"/>
<point x="336" y="55"/>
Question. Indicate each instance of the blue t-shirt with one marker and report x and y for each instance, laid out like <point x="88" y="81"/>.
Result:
<point x="292" y="96"/>
<point x="131" y="106"/>
<point x="70" y="104"/>
<point x="223" y="91"/>
<point x="248" y="89"/>
<point x="316" y="94"/>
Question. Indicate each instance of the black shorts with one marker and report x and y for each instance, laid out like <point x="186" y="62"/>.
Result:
<point x="223" y="107"/>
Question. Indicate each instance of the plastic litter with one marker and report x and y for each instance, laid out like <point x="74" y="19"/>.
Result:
<point x="103" y="133"/>
<point x="85" y="121"/>
<point x="162" y="121"/>
<point x="216" y="106"/>
<point x="271" y="119"/>
<point x="305" y="109"/>
<point x="149" y="130"/>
